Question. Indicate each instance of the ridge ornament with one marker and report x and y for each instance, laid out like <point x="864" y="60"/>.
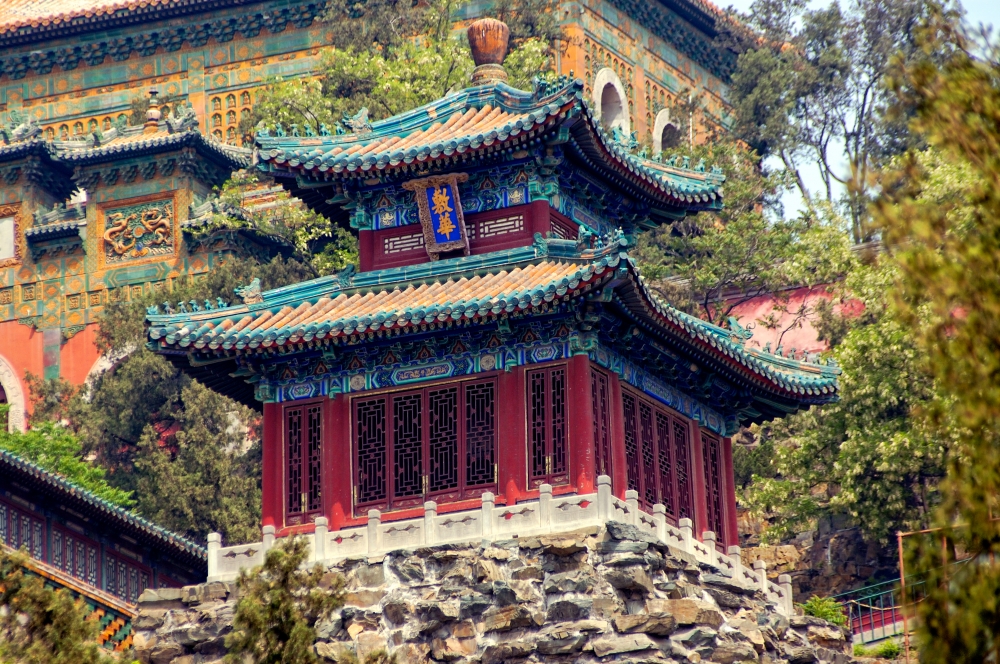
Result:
<point x="440" y="212"/>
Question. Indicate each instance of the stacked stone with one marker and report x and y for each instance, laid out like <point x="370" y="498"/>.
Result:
<point x="593" y="595"/>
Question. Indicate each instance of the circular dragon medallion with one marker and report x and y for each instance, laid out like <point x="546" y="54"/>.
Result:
<point x="358" y="382"/>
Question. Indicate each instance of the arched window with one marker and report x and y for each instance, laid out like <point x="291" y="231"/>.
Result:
<point x="92" y="125"/>
<point x="217" y="134"/>
<point x="245" y="98"/>
<point x="611" y="107"/>
<point x="231" y="117"/>
<point x="666" y="134"/>
<point x="106" y="124"/>
<point x="123" y="119"/>
<point x="50" y="133"/>
<point x="217" y="120"/>
<point x="164" y="112"/>
<point x="216" y="104"/>
<point x="611" y="101"/>
<point x="231" y="135"/>
<point x="230" y="101"/>
<point x="245" y="114"/>
<point x="77" y="128"/>
<point x="63" y="132"/>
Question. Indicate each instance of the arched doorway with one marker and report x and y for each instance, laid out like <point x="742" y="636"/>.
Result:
<point x="611" y="102"/>
<point x="12" y="395"/>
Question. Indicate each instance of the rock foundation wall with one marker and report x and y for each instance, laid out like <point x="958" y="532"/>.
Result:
<point x="594" y="595"/>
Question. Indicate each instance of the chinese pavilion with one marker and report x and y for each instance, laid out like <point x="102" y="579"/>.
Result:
<point x="497" y="364"/>
<point x="72" y="69"/>
<point x="94" y="549"/>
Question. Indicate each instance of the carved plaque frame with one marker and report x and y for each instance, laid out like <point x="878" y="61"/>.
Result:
<point x="419" y="188"/>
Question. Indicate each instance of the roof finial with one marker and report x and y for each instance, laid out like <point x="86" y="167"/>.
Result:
<point x="488" y="39"/>
<point x="153" y="112"/>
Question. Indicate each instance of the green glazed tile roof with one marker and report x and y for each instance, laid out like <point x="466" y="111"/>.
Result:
<point x="482" y="121"/>
<point x="83" y="500"/>
<point x="474" y="288"/>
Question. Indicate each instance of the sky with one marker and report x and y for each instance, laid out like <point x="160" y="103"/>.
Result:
<point x="977" y="11"/>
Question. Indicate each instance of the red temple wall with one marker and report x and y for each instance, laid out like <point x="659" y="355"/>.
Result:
<point x="512" y="456"/>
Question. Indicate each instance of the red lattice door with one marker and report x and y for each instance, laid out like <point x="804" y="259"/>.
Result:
<point x="303" y="461"/>
<point x="437" y="443"/>
<point x="712" y="451"/>
<point x="657" y="456"/>
<point x="547" y="439"/>
<point x="601" y="396"/>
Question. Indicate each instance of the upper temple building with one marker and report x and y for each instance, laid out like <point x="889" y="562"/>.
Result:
<point x="497" y="366"/>
<point x="71" y="70"/>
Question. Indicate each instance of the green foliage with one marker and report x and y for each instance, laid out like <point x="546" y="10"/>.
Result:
<point x="888" y="649"/>
<point x="812" y="93"/>
<point x="865" y="455"/>
<point x="215" y="456"/>
<point x="385" y="82"/>
<point x="279" y="606"/>
<point x="948" y="250"/>
<point x="42" y="625"/>
<point x="190" y="458"/>
<point x="58" y="450"/>
<point x="318" y="246"/>
<point x="825" y="608"/>
<point x="714" y="262"/>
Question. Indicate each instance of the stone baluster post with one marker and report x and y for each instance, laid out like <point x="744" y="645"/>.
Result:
<point x="374" y="520"/>
<point x="660" y="517"/>
<point x="214" y="544"/>
<point x="430" y="515"/>
<point x="632" y="500"/>
<point x="761" y="568"/>
<point x="603" y="498"/>
<point x="545" y="506"/>
<point x="734" y="556"/>
<point x="785" y="581"/>
<point x="687" y="526"/>
<point x="489" y="504"/>
<point x="268" y="542"/>
<point x="319" y="539"/>
<point x="708" y="538"/>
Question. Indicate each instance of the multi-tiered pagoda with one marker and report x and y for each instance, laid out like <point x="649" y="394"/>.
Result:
<point x="497" y="346"/>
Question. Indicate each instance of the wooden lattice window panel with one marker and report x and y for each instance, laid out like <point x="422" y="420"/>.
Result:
<point x="124" y="579"/>
<point x="75" y="555"/>
<point x="436" y="443"/>
<point x="657" y="456"/>
<point x="712" y="455"/>
<point x="601" y="396"/>
<point x="19" y="529"/>
<point x="547" y="439"/>
<point x="303" y="460"/>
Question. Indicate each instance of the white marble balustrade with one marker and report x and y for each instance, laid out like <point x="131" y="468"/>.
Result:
<point x="548" y="515"/>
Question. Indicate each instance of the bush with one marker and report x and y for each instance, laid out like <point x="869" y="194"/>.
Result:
<point x="826" y="608"/>
<point x="888" y="649"/>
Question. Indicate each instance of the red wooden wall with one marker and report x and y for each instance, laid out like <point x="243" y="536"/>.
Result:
<point x="512" y="459"/>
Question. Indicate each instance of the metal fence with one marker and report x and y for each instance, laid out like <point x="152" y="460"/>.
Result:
<point x="876" y="612"/>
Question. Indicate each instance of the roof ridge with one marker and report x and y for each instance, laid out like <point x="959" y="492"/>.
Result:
<point x="64" y="483"/>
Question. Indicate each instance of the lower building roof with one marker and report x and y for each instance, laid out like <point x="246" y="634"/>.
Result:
<point x="479" y="289"/>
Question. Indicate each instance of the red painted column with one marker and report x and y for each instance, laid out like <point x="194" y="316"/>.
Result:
<point x="540" y="220"/>
<point x="512" y="473"/>
<point x="366" y="250"/>
<point x="733" y="535"/>
<point x="337" y="478"/>
<point x="619" y="467"/>
<point x="580" y="409"/>
<point x="700" y="490"/>
<point x="271" y="471"/>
